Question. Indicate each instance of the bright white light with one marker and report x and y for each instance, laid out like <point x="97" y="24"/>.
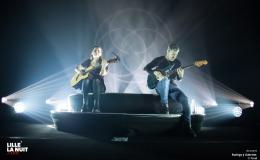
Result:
<point x="237" y="111"/>
<point x="19" y="107"/>
<point x="50" y="126"/>
<point x="193" y="103"/>
<point x="48" y="101"/>
<point x="4" y="99"/>
<point x="62" y="107"/>
<point x="197" y="109"/>
<point x="214" y="103"/>
<point x="251" y="104"/>
<point x="210" y="103"/>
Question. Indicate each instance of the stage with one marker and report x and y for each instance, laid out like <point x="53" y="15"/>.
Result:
<point x="109" y="137"/>
<point x="128" y="128"/>
<point x="44" y="141"/>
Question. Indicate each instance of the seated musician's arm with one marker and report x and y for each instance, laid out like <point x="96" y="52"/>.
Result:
<point x="180" y="72"/>
<point x="150" y="66"/>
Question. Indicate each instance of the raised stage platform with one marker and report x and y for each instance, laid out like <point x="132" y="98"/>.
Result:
<point x="127" y="103"/>
<point x="44" y="141"/>
<point x="122" y="114"/>
<point x="119" y="124"/>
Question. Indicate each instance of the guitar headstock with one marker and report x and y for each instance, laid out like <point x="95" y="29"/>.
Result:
<point x="115" y="59"/>
<point x="200" y="63"/>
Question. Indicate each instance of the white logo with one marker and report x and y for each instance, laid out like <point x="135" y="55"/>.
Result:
<point x="15" y="148"/>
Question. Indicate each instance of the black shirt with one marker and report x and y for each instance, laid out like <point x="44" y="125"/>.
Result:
<point x="162" y="64"/>
<point x="95" y="72"/>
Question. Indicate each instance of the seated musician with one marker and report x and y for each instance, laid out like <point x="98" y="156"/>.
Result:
<point x="166" y="86"/>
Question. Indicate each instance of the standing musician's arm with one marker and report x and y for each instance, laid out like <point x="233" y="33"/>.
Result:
<point x="104" y="67"/>
<point x="79" y="69"/>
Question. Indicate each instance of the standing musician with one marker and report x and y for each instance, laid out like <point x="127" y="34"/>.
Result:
<point x="166" y="86"/>
<point x="96" y="67"/>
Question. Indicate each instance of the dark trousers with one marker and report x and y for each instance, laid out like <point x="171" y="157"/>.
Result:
<point x="95" y="86"/>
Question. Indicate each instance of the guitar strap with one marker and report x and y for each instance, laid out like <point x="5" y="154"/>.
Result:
<point x="171" y="68"/>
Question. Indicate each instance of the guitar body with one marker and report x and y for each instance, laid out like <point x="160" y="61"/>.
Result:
<point x="152" y="81"/>
<point x="77" y="78"/>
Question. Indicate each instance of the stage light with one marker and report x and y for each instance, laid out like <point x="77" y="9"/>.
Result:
<point x="251" y="104"/>
<point x="19" y="107"/>
<point x="4" y="99"/>
<point x="237" y="111"/>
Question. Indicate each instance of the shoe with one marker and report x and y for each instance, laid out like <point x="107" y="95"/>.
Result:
<point x="188" y="132"/>
<point x="186" y="129"/>
<point x="88" y="109"/>
<point x="165" y="109"/>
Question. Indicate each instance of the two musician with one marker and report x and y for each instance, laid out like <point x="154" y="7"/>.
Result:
<point x="96" y="69"/>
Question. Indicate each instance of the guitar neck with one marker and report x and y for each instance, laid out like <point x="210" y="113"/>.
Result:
<point x="114" y="60"/>
<point x="173" y="71"/>
<point x="188" y="66"/>
<point x="110" y="61"/>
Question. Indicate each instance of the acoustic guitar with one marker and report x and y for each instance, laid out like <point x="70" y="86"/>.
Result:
<point x="85" y="73"/>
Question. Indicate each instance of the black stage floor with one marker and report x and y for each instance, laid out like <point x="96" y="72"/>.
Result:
<point x="45" y="142"/>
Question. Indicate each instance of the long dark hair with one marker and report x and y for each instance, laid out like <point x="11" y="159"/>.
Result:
<point x="91" y="56"/>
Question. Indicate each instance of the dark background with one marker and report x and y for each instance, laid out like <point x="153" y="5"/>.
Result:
<point x="230" y="35"/>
